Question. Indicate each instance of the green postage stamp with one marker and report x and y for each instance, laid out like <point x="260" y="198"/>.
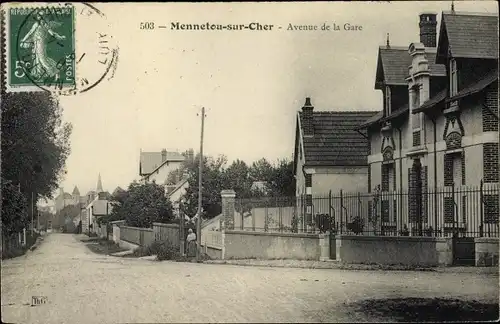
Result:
<point x="40" y="48"/>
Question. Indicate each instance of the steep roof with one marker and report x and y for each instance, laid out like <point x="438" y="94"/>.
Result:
<point x="151" y="161"/>
<point x="67" y="195"/>
<point x="468" y="35"/>
<point x="76" y="191"/>
<point x="393" y="63"/>
<point x="335" y="141"/>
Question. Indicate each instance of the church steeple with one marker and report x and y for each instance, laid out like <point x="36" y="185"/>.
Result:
<point x="99" y="184"/>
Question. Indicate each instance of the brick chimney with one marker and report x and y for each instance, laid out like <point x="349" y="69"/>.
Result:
<point x="228" y="208"/>
<point x="428" y="29"/>
<point x="163" y="155"/>
<point x="307" y="118"/>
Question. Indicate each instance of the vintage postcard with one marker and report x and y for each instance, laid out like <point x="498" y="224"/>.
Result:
<point x="249" y="162"/>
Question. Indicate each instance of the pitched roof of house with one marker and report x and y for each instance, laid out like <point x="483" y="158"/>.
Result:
<point x="67" y="195"/>
<point x="439" y="97"/>
<point x="473" y="88"/>
<point x="178" y="186"/>
<point x="76" y="191"/>
<point x="335" y="141"/>
<point x="393" y="63"/>
<point x="469" y="35"/>
<point x="478" y="86"/>
<point x="152" y="161"/>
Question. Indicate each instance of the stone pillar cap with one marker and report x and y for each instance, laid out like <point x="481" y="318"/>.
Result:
<point x="228" y="193"/>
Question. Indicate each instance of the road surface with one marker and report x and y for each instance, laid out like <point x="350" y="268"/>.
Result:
<point x="83" y="287"/>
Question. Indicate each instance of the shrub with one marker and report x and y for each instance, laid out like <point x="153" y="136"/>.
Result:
<point x="357" y="225"/>
<point x="164" y="250"/>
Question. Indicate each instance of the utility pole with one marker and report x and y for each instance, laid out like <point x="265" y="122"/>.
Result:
<point x="200" y="171"/>
<point x="32" y="212"/>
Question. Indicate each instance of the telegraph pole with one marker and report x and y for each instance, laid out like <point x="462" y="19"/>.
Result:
<point x="198" y="221"/>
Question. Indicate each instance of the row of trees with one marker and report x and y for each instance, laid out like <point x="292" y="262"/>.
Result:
<point x="278" y="181"/>
<point x="142" y="204"/>
<point x="35" y="146"/>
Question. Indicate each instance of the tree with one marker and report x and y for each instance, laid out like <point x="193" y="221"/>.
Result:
<point x="34" y="145"/>
<point x="68" y="212"/>
<point x="14" y="211"/>
<point x="213" y="184"/>
<point x="282" y="179"/>
<point x="143" y="204"/>
<point x="261" y="170"/>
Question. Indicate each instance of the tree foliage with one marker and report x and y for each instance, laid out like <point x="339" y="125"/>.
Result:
<point x="34" y="146"/>
<point x="141" y="205"/>
<point x="35" y="142"/>
<point x="68" y="212"/>
<point x="14" y="211"/>
<point x="213" y="184"/>
<point x="279" y="181"/>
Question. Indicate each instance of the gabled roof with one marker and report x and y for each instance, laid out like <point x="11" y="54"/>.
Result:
<point x="152" y="161"/>
<point x="335" y="141"/>
<point x="67" y="196"/>
<point x="468" y="35"/>
<point x="76" y="192"/>
<point x="393" y="64"/>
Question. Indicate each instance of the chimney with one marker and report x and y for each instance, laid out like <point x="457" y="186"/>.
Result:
<point x="163" y="155"/>
<point x="190" y="155"/>
<point x="428" y="29"/>
<point x="307" y="118"/>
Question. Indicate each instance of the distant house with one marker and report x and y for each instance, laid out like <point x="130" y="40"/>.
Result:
<point x="97" y="207"/>
<point x="156" y="166"/>
<point x="175" y="194"/>
<point x="329" y="154"/>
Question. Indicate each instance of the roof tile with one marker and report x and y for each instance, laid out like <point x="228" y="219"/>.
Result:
<point x="472" y="35"/>
<point x="335" y="141"/>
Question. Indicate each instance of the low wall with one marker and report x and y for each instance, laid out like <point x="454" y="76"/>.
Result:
<point x="487" y="249"/>
<point x="212" y="252"/>
<point x="428" y="251"/>
<point x="262" y="245"/>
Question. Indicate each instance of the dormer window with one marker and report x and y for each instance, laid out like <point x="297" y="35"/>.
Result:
<point x="453" y="77"/>
<point x="387" y="101"/>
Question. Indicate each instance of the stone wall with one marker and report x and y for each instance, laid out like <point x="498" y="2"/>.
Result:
<point x="421" y="251"/>
<point x="487" y="249"/>
<point x="262" y="245"/>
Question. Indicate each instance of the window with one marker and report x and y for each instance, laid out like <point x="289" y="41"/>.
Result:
<point x="387" y="100"/>
<point x="416" y="121"/>
<point x="453" y="77"/>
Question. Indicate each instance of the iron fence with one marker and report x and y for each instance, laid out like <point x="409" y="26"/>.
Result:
<point x="466" y="211"/>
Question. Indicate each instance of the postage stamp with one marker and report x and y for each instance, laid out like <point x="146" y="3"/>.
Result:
<point x="41" y="48"/>
<point x="45" y="52"/>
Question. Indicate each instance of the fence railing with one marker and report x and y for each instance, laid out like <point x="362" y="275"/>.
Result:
<point x="462" y="210"/>
<point x="137" y="235"/>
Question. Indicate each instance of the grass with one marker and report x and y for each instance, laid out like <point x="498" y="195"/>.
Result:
<point x="102" y="246"/>
<point x="427" y="309"/>
<point x="10" y="252"/>
<point x="164" y="250"/>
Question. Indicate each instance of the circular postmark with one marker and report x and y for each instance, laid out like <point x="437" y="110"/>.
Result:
<point x="64" y="48"/>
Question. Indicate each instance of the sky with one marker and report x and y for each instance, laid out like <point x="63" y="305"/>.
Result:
<point x="252" y="83"/>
